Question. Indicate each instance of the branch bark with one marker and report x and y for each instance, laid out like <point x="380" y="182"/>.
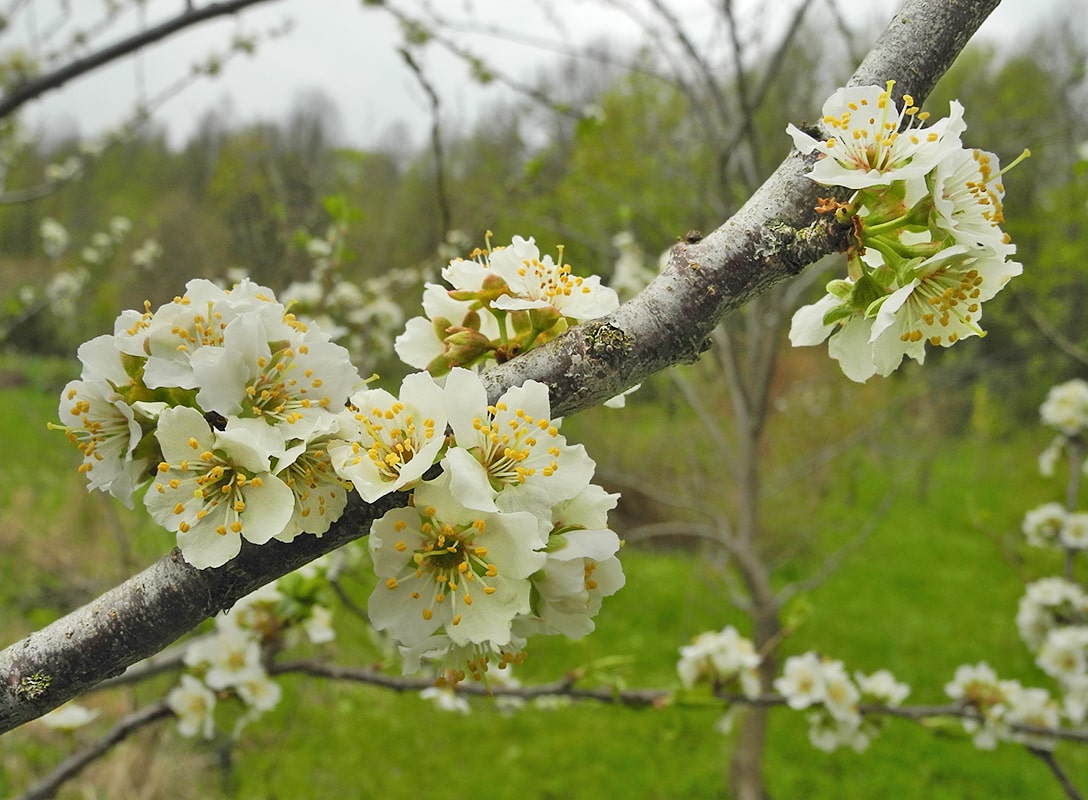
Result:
<point x="23" y="93"/>
<point x="774" y="236"/>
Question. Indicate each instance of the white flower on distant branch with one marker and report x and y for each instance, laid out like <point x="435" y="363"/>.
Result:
<point x="68" y="717"/>
<point x="840" y="694"/>
<point x="257" y="689"/>
<point x="226" y="657"/>
<point x="979" y="687"/>
<point x="1066" y="407"/>
<point x="193" y="704"/>
<point x="718" y="657"/>
<point x="882" y="687"/>
<point x="802" y="681"/>
<point x="1074" y="532"/>
<point x="1064" y="653"/>
<point x="1043" y="524"/>
<point x="1034" y="708"/>
<point x="318" y="625"/>
<point x="1050" y="603"/>
<point x="446" y="699"/>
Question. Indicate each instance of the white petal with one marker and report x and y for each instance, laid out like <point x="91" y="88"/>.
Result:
<point x="807" y="326"/>
<point x="468" y="480"/>
<point x="851" y="348"/>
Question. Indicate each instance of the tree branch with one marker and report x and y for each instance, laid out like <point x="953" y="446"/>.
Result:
<point x="23" y="93"/>
<point x="75" y="763"/>
<point x="771" y="238"/>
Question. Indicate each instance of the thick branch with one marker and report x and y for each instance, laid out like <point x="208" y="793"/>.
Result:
<point x="771" y="238"/>
<point x="23" y="93"/>
<point x="149" y="611"/>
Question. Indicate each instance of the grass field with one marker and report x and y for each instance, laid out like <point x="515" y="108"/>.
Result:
<point x="935" y="585"/>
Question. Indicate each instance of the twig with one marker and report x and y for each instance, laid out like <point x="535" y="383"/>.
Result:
<point x="1049" y="331"/>
<point x="74" y="764"/>
<point x="1047" y="757"/>
<point x="636" y="698"/>
<point x="436" y="142"/>
<point x="23" y="93"/>
<point x="834" y="561"/>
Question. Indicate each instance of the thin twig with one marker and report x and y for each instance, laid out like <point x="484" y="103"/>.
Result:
<point x="436" y="141"/>
<point x="834" y="561"/>
<point x="75" y="763"/>
<point x="637" y="698"/>
<point x="24" y="92"/>
<point x="1047" y="757"/>
<point x="1048" y="329"/>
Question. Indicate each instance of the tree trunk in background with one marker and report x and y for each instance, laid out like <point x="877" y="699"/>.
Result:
<point x="746" y="766"/>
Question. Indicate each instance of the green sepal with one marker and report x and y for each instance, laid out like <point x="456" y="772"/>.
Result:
<point x="544" y="319"/>
<point x="442" y="327"/>
<point x="841" y="289"/>
<point x="866" y="290"/>
<point x="133" y="366"/>
<point x="837" y="314"/>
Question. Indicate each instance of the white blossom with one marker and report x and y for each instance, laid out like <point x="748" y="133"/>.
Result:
<point x="1049" y="603"/>
<point x="193" y="704"/>
<point x="396" y="439"/>
<point x="1066" y="407"/>
<point x="1043" y="524"/>
<point x="214" y="488"/>
<point x="446" y="699"/>
<point x="868" y="145"/>
<point x="802" y="681"/>
<point x="717" y="657"/>
<point x="445" y="568"/>
<point x="510" y="446"/>
<point x="68" y="717"/>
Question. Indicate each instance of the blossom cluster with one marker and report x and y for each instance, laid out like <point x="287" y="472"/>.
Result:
<point x="721" y="658"/>
<point x="1053" y="614"/>
<point x="810" y="681"/>
<point x="1005" y="708"/>
<point x="222" y="405"/>
<point x="236" y="420"/>
<point x="1066" y="410"/>
<point x="503" y="301"/>
<point x="1052" y="524"/>
<point x="229" y="664"/>
<point x="725" y="660"/>
<point x="927" y="215"/>
<point x="510" y="539"/>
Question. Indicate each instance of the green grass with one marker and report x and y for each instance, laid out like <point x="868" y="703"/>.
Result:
<point x="935" y="585"/>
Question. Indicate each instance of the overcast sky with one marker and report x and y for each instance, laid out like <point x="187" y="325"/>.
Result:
<point x="350" y="54"/>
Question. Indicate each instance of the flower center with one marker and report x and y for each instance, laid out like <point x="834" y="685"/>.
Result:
<point x="280" y="390"/>
<point x="449" y="559"/>
<point x="942" y="296"/>
<point x="510" y="441"/>
<point x="396" y="437"/>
